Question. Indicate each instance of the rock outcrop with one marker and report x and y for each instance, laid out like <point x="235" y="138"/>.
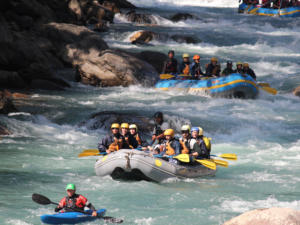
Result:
<point x="134" y="17"/>
<point x="156" y="59"/>
<point x="144" y="37"/>
<point x="182" y="16"/>
<point x="296" y="91"/>
<point x="6" y="104"/>
<point x="272" y="216"/>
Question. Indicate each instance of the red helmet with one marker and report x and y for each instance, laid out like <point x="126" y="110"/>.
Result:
<point x="196" y="57"/>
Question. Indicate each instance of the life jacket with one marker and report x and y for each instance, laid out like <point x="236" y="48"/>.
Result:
<point x="76" y="201"/>
<point x="138" y="139"/>
<point x="185" y="145"/>
<point x="207" y="142"/>
<point x="116" y="145"/>
<point x="170" y="150"/>
<point x="186" y="69"/>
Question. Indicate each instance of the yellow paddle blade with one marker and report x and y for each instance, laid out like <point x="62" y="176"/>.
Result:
<point x="230" y="156"/>
<point x="220" y="162"/>
<point x="270" y="90"/>
<point x="264" y="84"/>
<point x="166" y="76"/>
<point x="85" y="154"/>
<point x="91" y="150"/>
<point x="183" y="158"/>
<point x="209" y="164"/>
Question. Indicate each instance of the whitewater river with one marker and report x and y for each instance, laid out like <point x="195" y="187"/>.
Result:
<point x="41" y="155"/>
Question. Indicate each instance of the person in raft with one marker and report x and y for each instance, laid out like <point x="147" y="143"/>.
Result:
<point x="159" y="127"/>
<point x="200" y="145"/>
<point x="128" y="139"/>
<point x="170" y="146"/>
<point x="195" y="69"/>
<point x="138" y="142"/>
<point x="239" y="68"/>
<point x="248" y="70"/>
<point x="74" y="202"/>
<point x="170" y="65"/>
<point x="213" y="69"/>
<point x="185" y="140"/>
<point x="184" y="67"/>
<point x="228" y="70"/>
<point x="112" y="142"/>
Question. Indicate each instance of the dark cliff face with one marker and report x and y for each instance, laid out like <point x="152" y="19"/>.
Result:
<point x="28" y="55"/>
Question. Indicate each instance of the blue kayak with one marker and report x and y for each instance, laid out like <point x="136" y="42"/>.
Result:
<point x="71" y="217"/>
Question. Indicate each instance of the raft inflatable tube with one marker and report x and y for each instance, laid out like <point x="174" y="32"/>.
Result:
<point x="71" y="217"/>
<point x="128" y="164"/>
<point x="232" y="86"/>
<point x="256" y="10"/>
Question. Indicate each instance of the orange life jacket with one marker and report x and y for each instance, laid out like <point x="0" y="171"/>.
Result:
<point x="170" y="150"/>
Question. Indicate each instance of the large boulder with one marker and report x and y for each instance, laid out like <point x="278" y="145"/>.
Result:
<point x="142" y="37"/>
<point x="140" y="18"/>
<point x="115" y="68"/>
<point x="6" y="104"/>
<point x="185" y="39"/>
<point x="297" y="91"/>
<point x="156" y="59"/>
<point x="103" y="120"/>
<point x="182" y="16"/>
<point x="272" y="216"/>
<point x="10" y="79"/>
<point x="119" y="3"/>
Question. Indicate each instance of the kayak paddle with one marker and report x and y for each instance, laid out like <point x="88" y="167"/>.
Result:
<point x="86" y="154"/>
<point x="229" y="156"/>
<point x="270" y="90"/>
<point x="43" y="200"/>
<point x="207" y="163"/>
<point x="220" y="162"/>
<point x="91" y="150"/>
<point x="181" y="157"/>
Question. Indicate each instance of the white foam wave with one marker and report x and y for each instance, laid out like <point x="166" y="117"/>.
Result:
<point x="179" y="3"/>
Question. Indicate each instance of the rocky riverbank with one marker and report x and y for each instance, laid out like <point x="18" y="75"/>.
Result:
<point x="39" y="38"/>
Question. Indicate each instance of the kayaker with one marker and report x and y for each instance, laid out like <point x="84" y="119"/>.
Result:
<point x="170" y="146"/>
<point x="185" y="139"/>
<point x="201" y="144"/>
<point x="138" y="142"/>
<point x="228" y="70"/>
<point x="74" y="202"/>
<point x="170" y="65"/>
<point x="239" y="68"/>
<point x="184" y="67"/>
<point x="111" y="142"/>
<point x="129" y="140"/>
<point x="195" y="68"/>
<point x="248" y="70"/>
<point x="213" y="69"/>
<point x="159" y="127"/>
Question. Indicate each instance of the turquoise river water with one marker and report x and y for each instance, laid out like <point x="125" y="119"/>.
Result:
<point x="41" y="155"/>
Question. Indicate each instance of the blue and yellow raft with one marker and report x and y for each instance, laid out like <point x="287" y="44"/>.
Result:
<point x="232" y="86"/>
<point x="255" y="10"/>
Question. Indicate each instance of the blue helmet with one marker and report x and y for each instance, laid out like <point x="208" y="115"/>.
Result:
<point x="195" y="129"/>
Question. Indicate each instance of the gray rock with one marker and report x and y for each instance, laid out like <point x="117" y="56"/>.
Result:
<point x="182" y="16"/>
<point x="10" y="79"/>
<point x="271" y="216"/>
<point x="296" y="91"/>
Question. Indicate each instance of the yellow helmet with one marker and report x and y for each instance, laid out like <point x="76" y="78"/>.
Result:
<point x="239" y="63"/>
<point x="186" y="128"/>
<point x="245" y="65"/>
<point x="214" y="59"/>
<point x="115" y="125"/>
<point x="169" y="132"/>
<point x="133" y="126"/>
<point x="125" y="125"/>
<point x="200" y="131"/>
<point x="185" y="55"/>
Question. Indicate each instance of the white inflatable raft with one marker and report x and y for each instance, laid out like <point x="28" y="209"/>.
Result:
<point x="137" y="165"/>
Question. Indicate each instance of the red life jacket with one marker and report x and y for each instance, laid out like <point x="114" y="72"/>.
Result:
<point x="76" y="201"/>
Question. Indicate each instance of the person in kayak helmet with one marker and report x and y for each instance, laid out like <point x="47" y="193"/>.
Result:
<point x="129" y="141"/>
<point x="138" y="141"/>
<point x="228" y="70"/>
<point x="185" y="139"/>
<point x="213" y="69"/>
<point x="248" y="70"/>
<point x="170" y="146"/>
<point x="195" y="69"/>
<point x="170" y="65"/>
<point x="239" y="68"/>
<point x="111" y="142"/>
<point x="184" y="67"/>
<point x="200" y="144"/>
<point x="74" y="202"/>
<point x="159" y="127"/>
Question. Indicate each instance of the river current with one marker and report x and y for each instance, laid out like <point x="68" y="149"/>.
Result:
<point x="41" y="155"/>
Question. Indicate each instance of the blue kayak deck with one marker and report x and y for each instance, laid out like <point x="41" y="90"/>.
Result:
<point x="71" y="217"/>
